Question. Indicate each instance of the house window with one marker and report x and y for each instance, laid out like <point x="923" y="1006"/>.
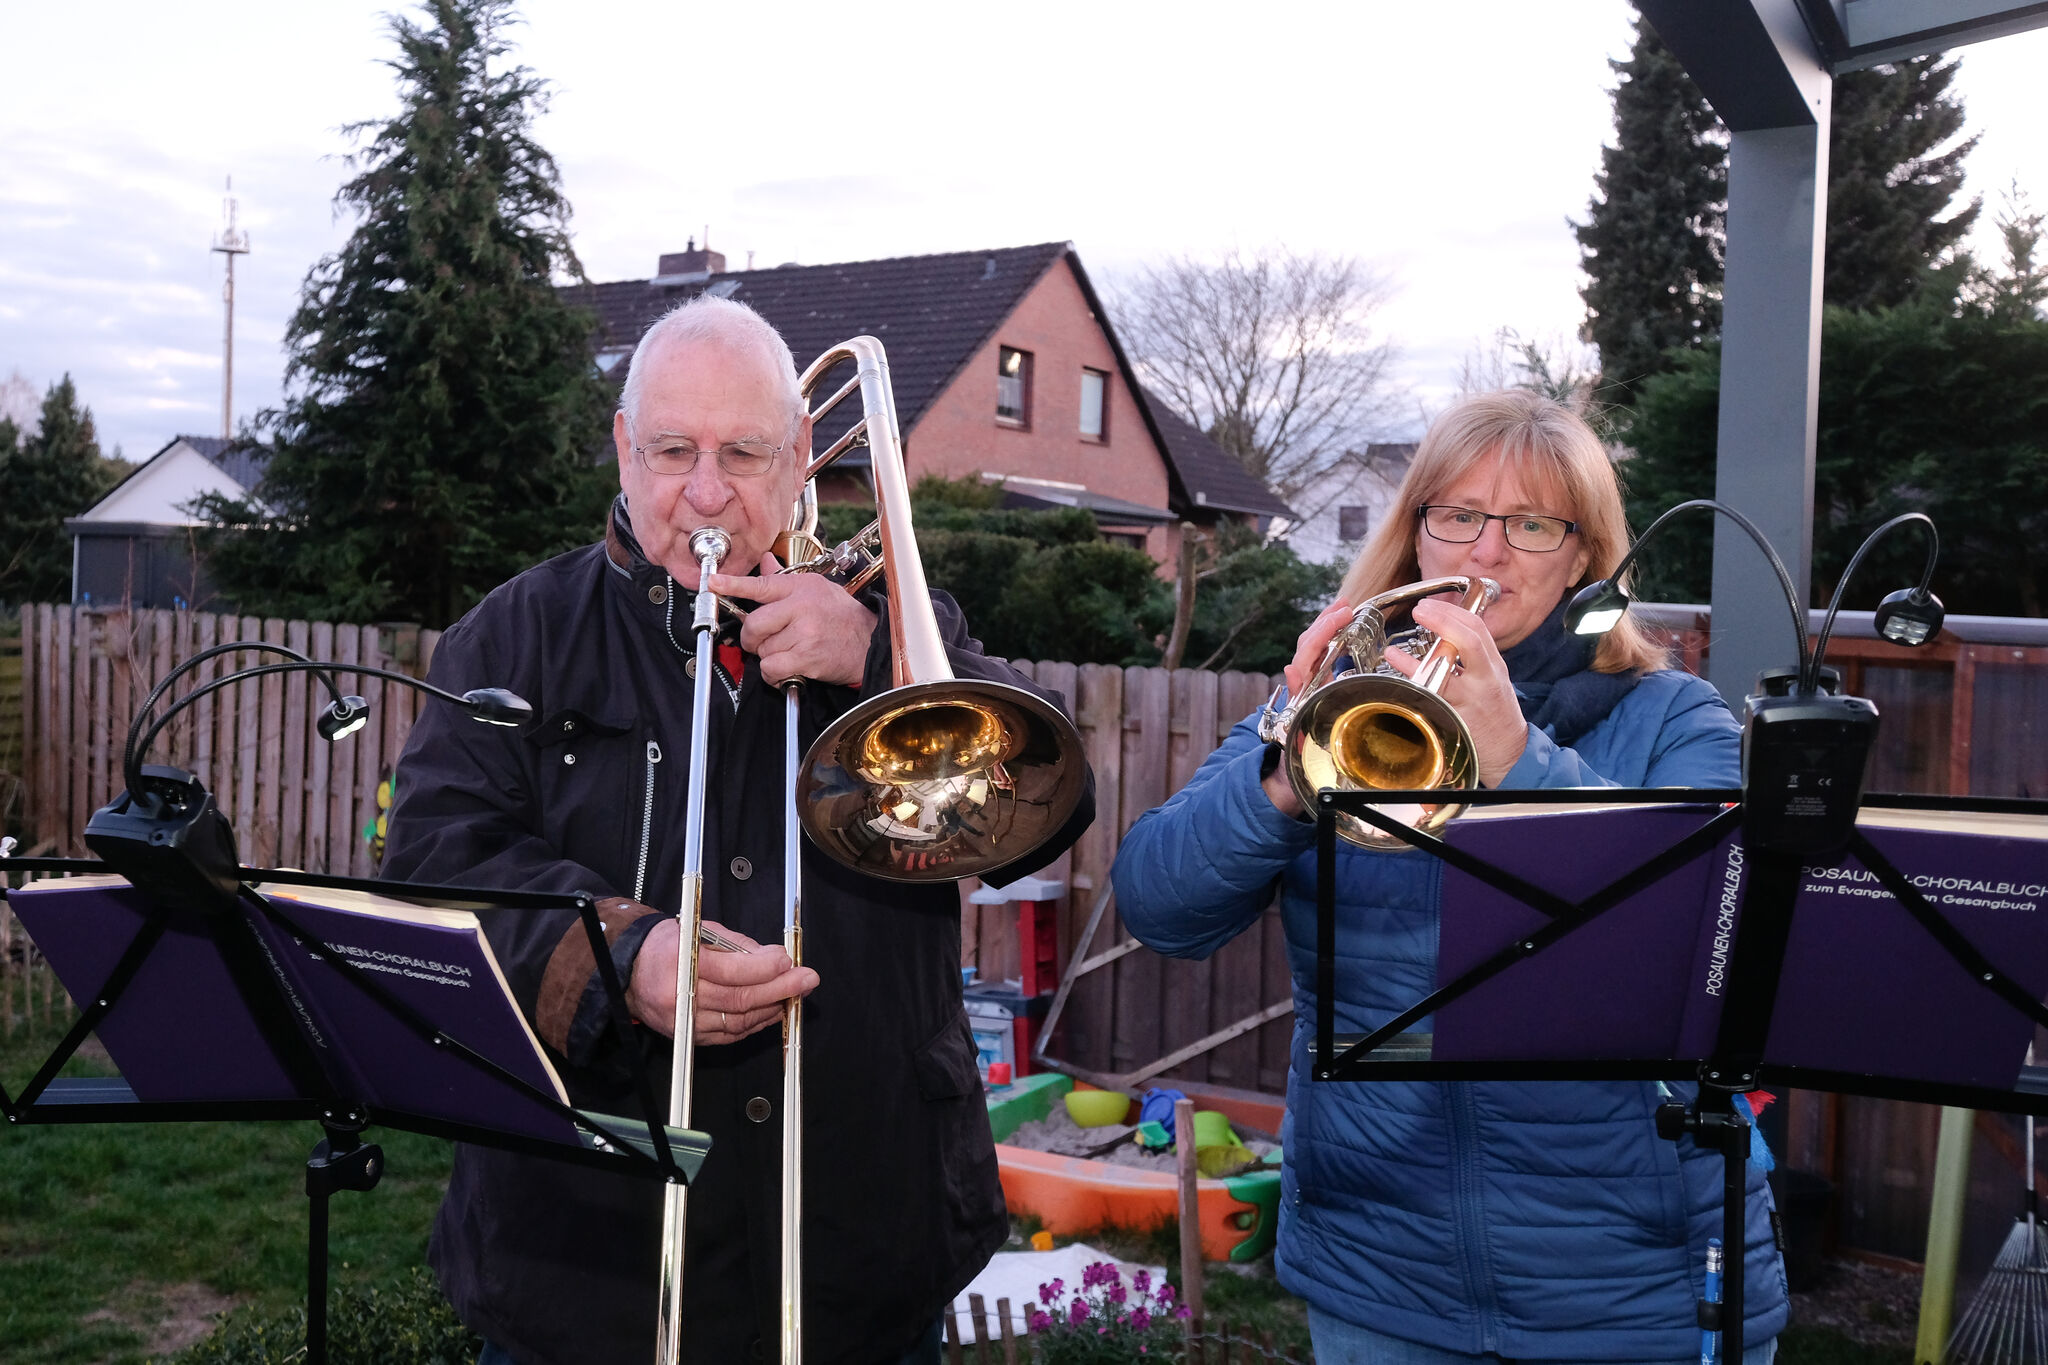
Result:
<point x="1013" y="385"/>
<point x="1353" y="522"/>
<point x="1094" y="388"/>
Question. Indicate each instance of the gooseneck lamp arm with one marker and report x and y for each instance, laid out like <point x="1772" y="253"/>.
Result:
<point x="1607" y="594"/>
<point x="131" y="763"/>
<point x="491" y="705"/>
<point x="1917" y="610"/>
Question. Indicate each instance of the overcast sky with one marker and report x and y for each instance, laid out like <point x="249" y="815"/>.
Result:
<point x="1447" y="143"/>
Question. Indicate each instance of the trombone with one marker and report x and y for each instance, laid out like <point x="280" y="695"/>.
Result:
<point x="936" y="779"/>
<point x="1367" y="728"/>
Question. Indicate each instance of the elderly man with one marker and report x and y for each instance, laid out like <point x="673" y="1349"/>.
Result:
<point x="555" y="1264"/>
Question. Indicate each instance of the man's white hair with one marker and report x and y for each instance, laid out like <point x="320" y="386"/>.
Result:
<point x="708" y="318"/>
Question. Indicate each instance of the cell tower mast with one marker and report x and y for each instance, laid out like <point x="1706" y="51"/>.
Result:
<point x="231" y="242"/>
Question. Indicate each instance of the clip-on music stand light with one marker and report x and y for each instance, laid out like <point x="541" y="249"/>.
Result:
<point x="1804" y="753"/>
<point x="169" y="839"/>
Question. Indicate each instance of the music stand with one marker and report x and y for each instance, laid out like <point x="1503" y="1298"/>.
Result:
<point x="1730" y="1051"/>
<point x="321" y="1090"/>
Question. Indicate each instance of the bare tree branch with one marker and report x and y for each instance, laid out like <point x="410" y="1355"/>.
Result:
<point x="1275" y="356"/>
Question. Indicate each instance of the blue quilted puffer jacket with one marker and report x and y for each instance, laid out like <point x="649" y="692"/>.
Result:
<point x="1545" y="1221"/>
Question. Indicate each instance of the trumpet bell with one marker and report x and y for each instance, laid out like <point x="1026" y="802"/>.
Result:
<point x="941" y="780"/>
<point x="1377" y="732"/>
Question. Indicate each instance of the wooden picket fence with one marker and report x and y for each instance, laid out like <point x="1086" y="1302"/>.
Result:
<point x="297" y="801"/>
<point x="293" y="799"/>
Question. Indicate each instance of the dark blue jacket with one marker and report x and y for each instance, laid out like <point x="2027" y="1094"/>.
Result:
<point x="1534" y="1220"/>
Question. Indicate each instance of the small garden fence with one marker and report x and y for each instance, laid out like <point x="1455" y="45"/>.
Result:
<point x="1213" y="1344"/>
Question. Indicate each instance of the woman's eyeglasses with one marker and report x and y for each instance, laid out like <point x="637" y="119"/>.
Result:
<point x="1524" y="531"/>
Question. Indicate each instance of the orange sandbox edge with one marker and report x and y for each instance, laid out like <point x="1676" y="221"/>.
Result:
<point x="1072" y="1196"/>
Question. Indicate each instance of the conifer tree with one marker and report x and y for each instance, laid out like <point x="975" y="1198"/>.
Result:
<point x="444" y="413"/>
<point x="1893" y="168"/>
<point x="1651" y="242"/>
<point x="54" y="473"/>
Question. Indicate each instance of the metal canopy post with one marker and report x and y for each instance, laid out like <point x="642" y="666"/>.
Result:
<point x="1760" y="65"/>
<point x="1770" y="372"/>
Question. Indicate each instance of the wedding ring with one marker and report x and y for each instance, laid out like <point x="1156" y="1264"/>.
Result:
<point x="724" y="1024"/>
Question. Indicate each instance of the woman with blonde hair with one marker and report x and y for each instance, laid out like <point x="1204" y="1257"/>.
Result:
<point x="1441" y="1223"/>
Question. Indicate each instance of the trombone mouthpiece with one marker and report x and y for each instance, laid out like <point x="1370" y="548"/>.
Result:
<point x="710" y="542"/>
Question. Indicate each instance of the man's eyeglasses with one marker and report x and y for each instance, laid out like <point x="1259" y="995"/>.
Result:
<point x="737" y="459"/>
<point x="1524" y="531"/>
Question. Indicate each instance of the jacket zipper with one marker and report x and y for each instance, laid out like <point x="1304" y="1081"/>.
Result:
<point x="1471" y="1222"/>
<point x="669" y="624"/>
<point x="646" y="825"/>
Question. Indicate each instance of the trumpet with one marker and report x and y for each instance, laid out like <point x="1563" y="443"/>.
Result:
<point x="935" y="779"/>
<point x="1367" y="728"/>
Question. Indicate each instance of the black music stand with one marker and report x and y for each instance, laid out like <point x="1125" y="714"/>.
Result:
<point x="341" y="1160"/>
<point x="1730" y="1058"/>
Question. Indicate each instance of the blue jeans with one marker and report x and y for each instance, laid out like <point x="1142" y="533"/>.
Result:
<point x="1338" y="1342"/>
<point x="926" y="1352"/>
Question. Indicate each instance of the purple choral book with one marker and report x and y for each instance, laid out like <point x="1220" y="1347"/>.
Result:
<point x="181" y="1031"/>
<point x="1865" y="989"/>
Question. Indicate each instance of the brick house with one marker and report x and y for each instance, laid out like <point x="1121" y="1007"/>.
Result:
<point x="1004" y="366"/>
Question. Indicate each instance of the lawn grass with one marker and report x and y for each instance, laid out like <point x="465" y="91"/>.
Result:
<point x="102" y="1225"/>
<point x="1828" y="1346"/>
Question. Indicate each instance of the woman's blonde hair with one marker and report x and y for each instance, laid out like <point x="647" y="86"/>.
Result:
<point x="1549" y="446"/>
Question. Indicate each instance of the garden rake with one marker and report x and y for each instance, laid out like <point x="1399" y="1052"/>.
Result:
<point x="2007" y="1322"/>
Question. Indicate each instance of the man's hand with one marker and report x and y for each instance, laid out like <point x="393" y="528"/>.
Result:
<point x="803" y="626"/>
<point x="737" y="993"/>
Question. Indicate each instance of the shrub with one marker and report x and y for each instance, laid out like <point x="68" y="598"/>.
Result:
<point x="401" y="1323"/>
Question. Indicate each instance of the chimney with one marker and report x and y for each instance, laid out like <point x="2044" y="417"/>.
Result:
<point x="690" y="266"/>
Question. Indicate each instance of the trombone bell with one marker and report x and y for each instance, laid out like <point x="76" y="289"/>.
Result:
<point x="940" y="780"/>
<point x="939" y="777"/>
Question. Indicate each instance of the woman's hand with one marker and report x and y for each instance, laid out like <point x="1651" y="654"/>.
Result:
<point x="1308" y="652"/>
<point x="1478" y="689"/>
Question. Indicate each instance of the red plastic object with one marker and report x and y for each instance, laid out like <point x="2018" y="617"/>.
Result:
<point x="1038" y="946"/>
<point x="998" y="1073"/>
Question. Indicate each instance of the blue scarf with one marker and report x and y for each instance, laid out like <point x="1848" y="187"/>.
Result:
<point x="1553" y="675"/>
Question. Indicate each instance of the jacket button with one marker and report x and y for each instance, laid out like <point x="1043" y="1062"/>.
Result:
<point x="658" y="594"/>
<point x="758" y="1109"/>
<point x="569" y="759"/>
<point x="742" y="869"/>
<point x="690" y="667"/>
<point x="568" y="727"/>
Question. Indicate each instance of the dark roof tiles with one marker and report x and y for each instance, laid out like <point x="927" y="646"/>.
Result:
<point x="1212" y="478"/>
<point x="933" y="313"/>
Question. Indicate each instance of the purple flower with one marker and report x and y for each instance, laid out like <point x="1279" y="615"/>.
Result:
<point x="1141" y="1321"/>
<point x="1142" y="1281"/>
<point x="1036" y="1321"/>
<point x="1077" y="1311"/>
<point x="1183" y="1312"/>
<point x="1116" y="1293"/>
<point x="1048" y="1292"/>
<point x="1165" y="1294"/>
